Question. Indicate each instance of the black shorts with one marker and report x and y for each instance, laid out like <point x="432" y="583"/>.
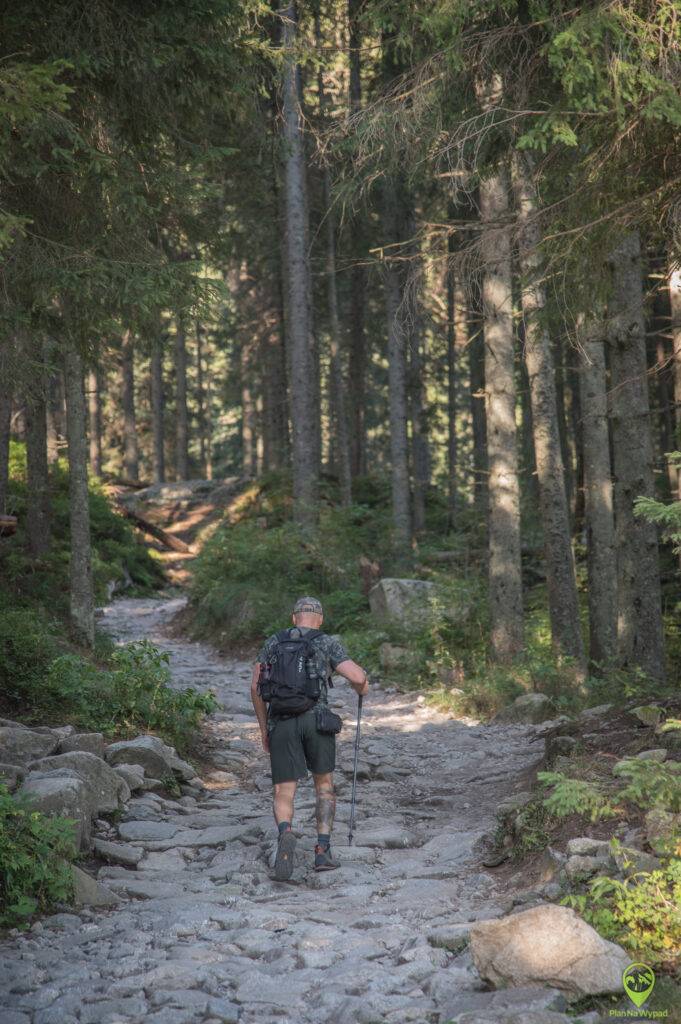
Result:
<point x="296" y="748"/>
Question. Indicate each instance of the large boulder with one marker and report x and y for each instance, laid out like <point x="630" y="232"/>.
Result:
<point x="547" y="945"/>
<point x="107" y="790"/>
<point x="62" y="793"/>
<point x="11" y="775"/>
<point x="394" y="657"/>
<point x="88" y="892"/>
<point x="529" y="708"/>
<point x="21" y="746"/>
<point x="152" y="754"/>
<point x="133" y="774"/>
<point x="412" y="604"/>
<point x="90" y="742"/>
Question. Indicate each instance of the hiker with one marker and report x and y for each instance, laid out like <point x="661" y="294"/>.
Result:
<point x="289" y="690"/>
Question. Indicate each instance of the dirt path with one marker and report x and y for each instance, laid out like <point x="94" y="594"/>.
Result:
<point x="202" y="933"/>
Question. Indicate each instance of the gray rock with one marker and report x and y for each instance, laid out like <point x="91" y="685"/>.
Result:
<point x="585" y="846"/>
<point x="629" y="860"/>
<point x="655" y="754"/>
<point x="90" y="742"/>
<point x="579" y="867"/>
<point x="663" y="830"/>
<point x="530" y="708"/>
<point x="137" y="831"/>
<point x="132" y="775"/>
<point x="20" y="746"/>
<point x="388" y="837"/>
<point x="118" y="853"/>
<point x="547" y="945"/>
<point x="88" y="892"/>
<point x="411" y="604"/>
<point x="110" y="1011"/>
<point x="11" y="775"/>
<point x="148" y="751"/>
<point x="591" y="714"/>
<point x="496" y="1005"/>
<point x="107" y="790"/>
<point x="393" y="656"/>
<point x="61" y="793"/>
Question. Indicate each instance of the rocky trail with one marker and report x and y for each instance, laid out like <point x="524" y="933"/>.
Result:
<point x="201" y="932"/>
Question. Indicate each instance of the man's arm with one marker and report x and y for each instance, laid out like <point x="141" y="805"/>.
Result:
<point x="259" y="707"/>
<point x="355" y="675"/>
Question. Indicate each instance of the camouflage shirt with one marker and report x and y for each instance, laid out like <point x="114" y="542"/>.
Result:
<point x="328" y="654"/>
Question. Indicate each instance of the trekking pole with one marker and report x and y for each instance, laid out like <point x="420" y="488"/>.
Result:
<point x="354" y="773"/>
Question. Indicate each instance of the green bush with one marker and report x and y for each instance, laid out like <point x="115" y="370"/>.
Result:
<point x="129" y="695"/>
<point x="35" y="854"/>
<point x="27" y="646"/>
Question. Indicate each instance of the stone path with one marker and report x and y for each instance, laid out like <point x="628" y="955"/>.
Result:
<point x="202" y="933"/>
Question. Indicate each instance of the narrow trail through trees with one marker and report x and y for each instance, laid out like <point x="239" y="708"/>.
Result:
<point x="203" y="933"/>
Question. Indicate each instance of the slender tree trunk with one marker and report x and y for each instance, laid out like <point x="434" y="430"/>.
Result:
<point x="476" y="372"/>
<point x="419" y="427"/>
<point x="158" y="458"/>
<point x="5" y="422"/>
<point x="95" y="422"/>
<point x="249" y="453"/>
<point x="456" y="324"/>
<point x="130" y="450"/>
<point x="81" y="587"/>
<point x="55" y="417"/>
<point x="566" y="455"/>
<point x="504" y="569"/>
<point x="598" y="501"/>
<point x="181" y="414"/>
<point x="566" y="631"/>
<point x="572" y="372"/>
<point x="640" y="633"/>
<point x="675" y="309"/>
<point x="201" y="403"/>
<point x="303" y="402"/>
<point x="37" y="473"/>
<point x="341" y="439"/>
<point x="357" y="353"/>
<point x="397" y="379"/>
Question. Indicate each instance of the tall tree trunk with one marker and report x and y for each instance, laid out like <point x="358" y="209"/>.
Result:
<point x="566" y="631"/>
<point x="397" y="378"/>
<point x="456" y="324"/>
<point x="675" y="310"/>
<point x="130" y="449"/>
<point x="303" y="392"/>
<point x="158" y="458"/>
<point x="181" y="414"/>
<point x="5" y="422"/>
<point x="357" y="353"/>
<point x="640" y="634"/>
<point x="202" y="418"/>
<point x="561" y="411"/>
<point x="95" y="422"/>
<point x="249" y="452"/>
<point x="81" y="586"/>
<point x="37" y="474"/>
<point x="504" y="569"/>
<point x="419" y="426"/>
<point x="598" y="501"/>
<point x="341" y="444"/>
<point x="56" y="424"/>
<point x="476" y="372"/>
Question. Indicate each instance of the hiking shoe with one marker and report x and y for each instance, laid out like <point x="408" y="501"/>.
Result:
<point x="323" y="861"/>
<point x="283" y="864"/>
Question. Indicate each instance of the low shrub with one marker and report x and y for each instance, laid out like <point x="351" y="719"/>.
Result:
<point x="35" y="854"/>
<point x="28" y="643"/>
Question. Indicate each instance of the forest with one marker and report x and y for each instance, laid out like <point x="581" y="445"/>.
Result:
<point x="332" y="293"/>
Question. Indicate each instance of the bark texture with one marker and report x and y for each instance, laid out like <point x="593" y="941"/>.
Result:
<point x="94" y="422"/>
<point x="37" y="472"/>
<point x="598" y="499"/>
<point x="181" y="413"/>
<point x="5" y="421"/>
<point x="158" y="459"/>
<point x="639" y="633"/>
<point x="505" y="583"/>
<point x="558" y="555"/>
<point x="130" y="448"/>
<point x="82" y="601"/>
<point x="302" y="364"/>
<point x="675" y="310"/>
<point x="357" y="350"/>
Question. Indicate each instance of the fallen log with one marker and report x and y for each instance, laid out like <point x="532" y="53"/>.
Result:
<point x="167" y="539"/>
<point x="8" y="526"/>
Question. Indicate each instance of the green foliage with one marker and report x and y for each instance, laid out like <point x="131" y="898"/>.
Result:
<point x="651" y="783"/>
<point x="575" y="796"/>
<point x="35" y="854"/>
<point x="642" y="913"/>
<point x="28" y="643"/>
<point x="532" y="828"/>
<point x="130" y="694"/>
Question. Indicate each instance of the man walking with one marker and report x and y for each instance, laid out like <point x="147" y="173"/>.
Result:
<point x="289" y="690"/>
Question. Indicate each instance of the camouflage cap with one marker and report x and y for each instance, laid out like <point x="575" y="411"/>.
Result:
<point x="307" y="604"/>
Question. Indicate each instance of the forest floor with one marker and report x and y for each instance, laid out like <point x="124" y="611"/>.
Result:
<point x="202" y="931"/>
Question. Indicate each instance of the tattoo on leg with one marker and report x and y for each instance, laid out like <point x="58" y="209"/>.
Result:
<point x="326" y="808"/>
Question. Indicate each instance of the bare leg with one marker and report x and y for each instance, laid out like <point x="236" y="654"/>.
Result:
<point x="326" y="802"/>
<point x="284" y="794"/>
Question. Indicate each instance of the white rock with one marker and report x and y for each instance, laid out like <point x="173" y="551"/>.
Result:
<point x="107" y="790"/>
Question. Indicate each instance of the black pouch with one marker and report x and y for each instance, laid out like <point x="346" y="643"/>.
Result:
<point x="328" y="722"/>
